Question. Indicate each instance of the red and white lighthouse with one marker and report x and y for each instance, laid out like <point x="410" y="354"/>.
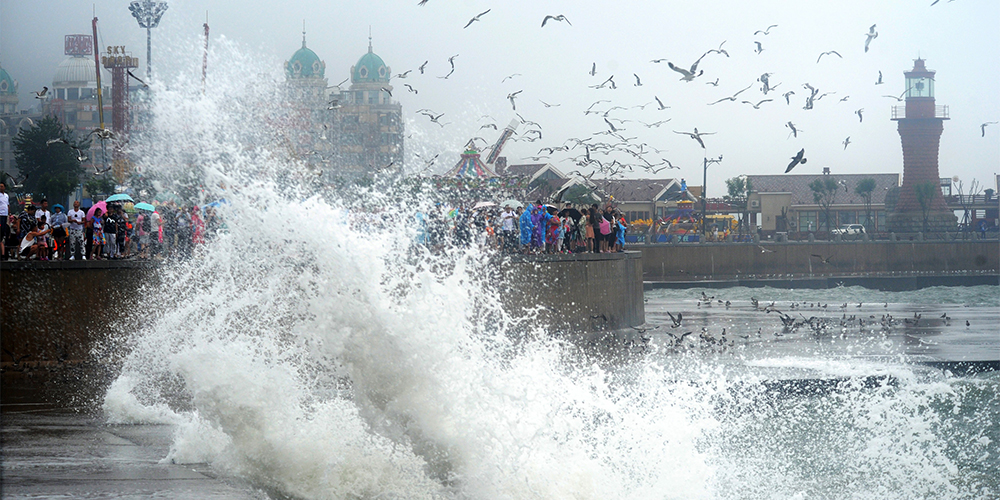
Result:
<point x="920" y="123"/>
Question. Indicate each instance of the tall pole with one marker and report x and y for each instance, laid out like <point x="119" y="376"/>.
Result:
<point x="204" y="60"/>
<point x="704" y="190"/>
<point x="148" y="13"/>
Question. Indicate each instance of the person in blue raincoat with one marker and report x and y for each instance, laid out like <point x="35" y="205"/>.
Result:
<point x="527" y="227"/>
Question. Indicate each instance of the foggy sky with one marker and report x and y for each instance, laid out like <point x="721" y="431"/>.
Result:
<point x="958" y="39"/>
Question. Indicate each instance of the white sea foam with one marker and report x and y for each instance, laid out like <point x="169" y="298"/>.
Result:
<point x="312" y="351"/>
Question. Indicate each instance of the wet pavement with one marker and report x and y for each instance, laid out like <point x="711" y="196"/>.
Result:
<point x="48" y="450"/>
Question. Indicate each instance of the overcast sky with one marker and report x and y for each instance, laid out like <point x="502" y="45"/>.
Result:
<point x="959" y="39"/>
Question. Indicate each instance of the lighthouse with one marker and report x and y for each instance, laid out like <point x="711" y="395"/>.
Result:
<point x="920" y="123"/>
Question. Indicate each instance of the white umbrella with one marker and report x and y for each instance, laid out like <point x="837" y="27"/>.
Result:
<point x="482" y="204"/>
<point x="512" y="204"/>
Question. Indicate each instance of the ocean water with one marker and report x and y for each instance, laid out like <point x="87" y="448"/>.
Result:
<point x="313" y="351"/>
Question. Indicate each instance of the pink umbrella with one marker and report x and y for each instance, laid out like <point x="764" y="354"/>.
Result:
<point x="102" y="205"/>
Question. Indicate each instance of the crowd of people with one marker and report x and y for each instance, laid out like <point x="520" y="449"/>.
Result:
<point x="111" y="232"/>
<point x="535" y="228"/>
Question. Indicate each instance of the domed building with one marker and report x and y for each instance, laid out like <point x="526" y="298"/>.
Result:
<point x="73" y="94"/>
<point x="345" y="132"/>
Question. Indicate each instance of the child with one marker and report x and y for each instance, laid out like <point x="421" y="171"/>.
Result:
<point x="97" y="225"/>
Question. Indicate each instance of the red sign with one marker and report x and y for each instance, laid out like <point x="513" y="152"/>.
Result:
<point x="79" y="45"/>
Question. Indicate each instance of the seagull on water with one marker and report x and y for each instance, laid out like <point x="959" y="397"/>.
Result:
<point x="798" y="158"/>
<point x="696" y="136"/>
<point x="474" y="19"/>
<point x="560" y="17"/>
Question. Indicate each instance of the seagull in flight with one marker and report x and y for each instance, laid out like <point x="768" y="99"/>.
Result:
<point x="759" y="48"/>
<point x="860" y="117"/>
<point x="386" y="90"/>
<point x="764" y="80"/>
<point x="511" y="97"/>
<point x="660" y="103"/>
<point x="509" y="77"/>
<point x="403" y="74"/>
<point x="593" y="69"/>
<point x="422" y="66"/>
<point x="714" y="84"/>
<point x="798" y="158"/>
<point x="872" y="34"/>
<point x="689" y="74"/>
<point x="834" y="52"/>
<point x="560" y="17"/>
<point x="638" y="83"/>
<point x="410" y="88"/>
<point x="451" y="60"/>
<point x="732" y="97"/>
<point x="696" y="136"/>
<point x="547" y="105"/>
<point x="846" y="142"/>
<point x="474" y="19"/>
<point x="786" y="96"/>
<point x="879" y="81"/>
<point x="795" y="131"/>
<point x="767" y="31"/>
<point x="40" y="94"/>
<point x="983" y="127"/>
<point x="489" y="125"/>
<point x="757" y="106"/>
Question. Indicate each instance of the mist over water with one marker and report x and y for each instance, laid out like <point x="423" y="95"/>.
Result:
<point x="312" y="350"/>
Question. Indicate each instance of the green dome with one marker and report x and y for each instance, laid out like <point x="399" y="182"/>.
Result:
<point x="370" y="68"/>
<point x="305" y="64"/>
<point x="7" y="84"/>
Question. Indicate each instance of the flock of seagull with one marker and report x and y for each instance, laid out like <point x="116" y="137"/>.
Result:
<point x="604" y="154"/>
<point x="820" y="319"/>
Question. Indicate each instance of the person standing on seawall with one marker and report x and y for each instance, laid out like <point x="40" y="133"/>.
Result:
<point x="60" y="232"/>
<point x="77" y="219"/>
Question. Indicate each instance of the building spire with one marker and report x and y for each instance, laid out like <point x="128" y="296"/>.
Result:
<point x="303" y="33"/>
<point x="369" y="39"/>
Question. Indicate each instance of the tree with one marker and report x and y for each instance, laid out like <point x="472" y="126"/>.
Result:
<point x="47" y="154"/>
<point x="100" y="185"/>
<point x="966" y="200"/>
<point x="925" y="192"/>
<point x="865" y="189"/>
<point x="738" y="198"/>
<point x="824" y="194"/>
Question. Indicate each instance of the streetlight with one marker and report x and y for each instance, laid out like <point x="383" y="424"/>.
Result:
<point x="148" y="14"/>
<point x="704" y="191"/>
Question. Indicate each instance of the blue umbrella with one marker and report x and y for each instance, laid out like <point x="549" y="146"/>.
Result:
<point x="119" y="197"/>
<point x="145" y="206"/>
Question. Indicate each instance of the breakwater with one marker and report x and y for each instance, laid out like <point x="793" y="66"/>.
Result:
<point x="899" y="265"/>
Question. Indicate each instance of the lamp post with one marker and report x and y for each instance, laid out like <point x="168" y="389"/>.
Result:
<point x="704" y="191"/>
<point x="148" y="14"/>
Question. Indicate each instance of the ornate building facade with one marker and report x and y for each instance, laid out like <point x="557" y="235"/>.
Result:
<point x="344" y="133"/>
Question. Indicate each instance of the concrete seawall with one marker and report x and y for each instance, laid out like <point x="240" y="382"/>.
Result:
<point x="775" y="261"/>
<point x="581" y="293"/>
<point x="56" y="312"/>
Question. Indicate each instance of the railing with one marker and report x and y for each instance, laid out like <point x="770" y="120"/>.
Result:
<point x="940" y="111"/>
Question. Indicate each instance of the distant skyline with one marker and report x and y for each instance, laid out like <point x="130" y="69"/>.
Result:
<point x="958" y="39"/>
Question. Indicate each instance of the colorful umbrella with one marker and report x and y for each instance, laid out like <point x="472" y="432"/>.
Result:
<point x="145" y="206"/>
<point x="120" y="197"/>
<point x="102" y="205"/>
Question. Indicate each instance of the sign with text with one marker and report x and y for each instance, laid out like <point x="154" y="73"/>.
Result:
<point x="79" y="45"/>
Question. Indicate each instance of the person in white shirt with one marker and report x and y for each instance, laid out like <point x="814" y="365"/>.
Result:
<point x="4" y="213"/>
<point x="43" y="209"/>
<point x="77" y="218"/>
<point x="507" y="228"/>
